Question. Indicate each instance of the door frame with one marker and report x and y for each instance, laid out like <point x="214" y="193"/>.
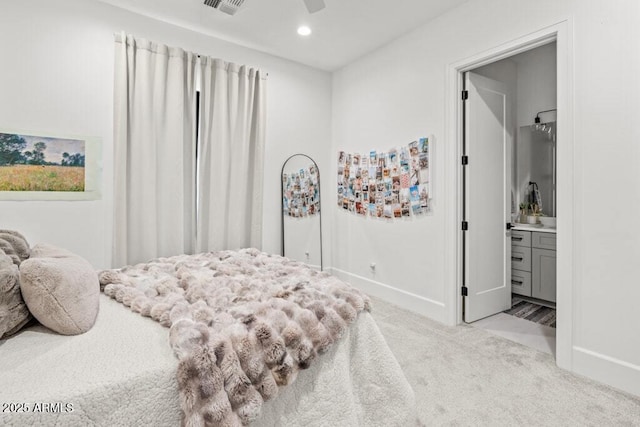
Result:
<point x="562" y="34"/>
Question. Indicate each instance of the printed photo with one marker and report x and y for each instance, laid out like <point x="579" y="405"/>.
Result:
<point x="414" y="193"/>
<point x="41" y="163"/>
<point x="373" y="158"/>
<point x="413" y="148"/>
<point x="396" y="183"/>
<point x="393" y="156"/>
<point x="404" y="154"/>
<point x="405" y="180"/>
<point x="405" y="203"/>
<point x="397" y="211"/>
<point x="424" y="196"/>
<point x="424" y="145"/>
<point x="424" y="161"/>
<point x="424" y="176"/>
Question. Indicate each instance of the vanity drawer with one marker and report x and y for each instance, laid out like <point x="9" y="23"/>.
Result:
<point x="521" y="282"/>
<point x="521" y="238"/>
<point x="543" y="240"/>
<point x="520" y="258"/>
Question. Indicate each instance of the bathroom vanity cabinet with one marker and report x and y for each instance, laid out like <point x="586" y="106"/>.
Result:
<point x="533" y="263"/>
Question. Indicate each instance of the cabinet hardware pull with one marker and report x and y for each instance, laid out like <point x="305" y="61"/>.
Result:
<point x="516" y="282"/>
<point x="516" y="238"/>
<point x="515" y="258"/>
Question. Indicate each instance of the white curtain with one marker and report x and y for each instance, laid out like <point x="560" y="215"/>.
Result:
<point x="154" y="158"/>
<point x="230" y="158"/>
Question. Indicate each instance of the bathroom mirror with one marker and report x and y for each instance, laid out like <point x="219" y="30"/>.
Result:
<point x="536" y="163"/>
<point x="301" y="215"/>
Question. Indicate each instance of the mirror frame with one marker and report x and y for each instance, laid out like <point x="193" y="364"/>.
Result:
<point x="319" y="202"/>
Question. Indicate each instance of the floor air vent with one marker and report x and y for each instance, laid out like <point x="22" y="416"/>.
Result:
<point x="230" y="7"/>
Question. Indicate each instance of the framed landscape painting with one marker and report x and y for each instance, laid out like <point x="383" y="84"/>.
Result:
<point x="48" y="167"/>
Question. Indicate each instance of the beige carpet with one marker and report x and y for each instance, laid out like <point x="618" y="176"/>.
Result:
<point x="465" y="376"/>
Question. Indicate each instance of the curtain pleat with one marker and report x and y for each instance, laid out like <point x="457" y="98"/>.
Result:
<point x="154" y="139"/>
<point x="231" y="160"/>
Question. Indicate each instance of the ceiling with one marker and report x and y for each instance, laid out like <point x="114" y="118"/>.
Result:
<point x="342" y="32"/>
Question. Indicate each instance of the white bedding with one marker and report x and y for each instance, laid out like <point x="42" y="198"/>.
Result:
<point x="122" y="372"/>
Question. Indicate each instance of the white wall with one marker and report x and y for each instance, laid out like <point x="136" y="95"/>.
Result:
<point x="398" y="92"/>
<point x="536" y="84"/>
<point x="57" y="77"/>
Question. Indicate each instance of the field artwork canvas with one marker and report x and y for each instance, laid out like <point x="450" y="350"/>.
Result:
<point x="42" y="166"/>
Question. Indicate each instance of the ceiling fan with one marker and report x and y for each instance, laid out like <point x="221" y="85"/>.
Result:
<point x="230" y="7"/>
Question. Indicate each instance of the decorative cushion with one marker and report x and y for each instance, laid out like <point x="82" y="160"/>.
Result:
<point x="14" y="245"/>
<point x="14" y="313"/>
<point x="61" y="289"/>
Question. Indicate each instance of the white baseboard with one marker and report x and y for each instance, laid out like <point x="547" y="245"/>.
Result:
<point x="606" y="369"/>
<point x="407" y="300"/>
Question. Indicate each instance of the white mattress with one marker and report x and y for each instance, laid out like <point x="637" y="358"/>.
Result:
<point x="122" y="372"/>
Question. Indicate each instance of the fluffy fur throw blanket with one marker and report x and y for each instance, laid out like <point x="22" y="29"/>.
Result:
<point x="242" y="323"/>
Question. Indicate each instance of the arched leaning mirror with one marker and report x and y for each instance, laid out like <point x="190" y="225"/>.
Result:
<point x="301" y="216"/>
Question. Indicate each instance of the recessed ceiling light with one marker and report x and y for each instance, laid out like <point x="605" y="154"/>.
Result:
<point x="303" y="30"/>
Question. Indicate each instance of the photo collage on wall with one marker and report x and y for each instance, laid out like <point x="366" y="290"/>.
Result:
<point x="300" y="193"/>
<point x="394" y="184"/>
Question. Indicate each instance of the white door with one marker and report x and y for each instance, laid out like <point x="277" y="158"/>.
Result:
<point x="487" y="194"/>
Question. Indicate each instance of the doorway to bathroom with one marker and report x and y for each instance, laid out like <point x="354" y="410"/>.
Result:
<point x="508" y="200"/>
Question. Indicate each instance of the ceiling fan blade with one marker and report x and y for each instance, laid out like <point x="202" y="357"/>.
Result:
<point x="314" y="5"/>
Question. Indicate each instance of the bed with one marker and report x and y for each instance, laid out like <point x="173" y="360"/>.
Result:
<point x="126" y="369"/>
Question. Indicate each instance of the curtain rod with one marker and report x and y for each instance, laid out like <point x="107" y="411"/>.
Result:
<point x="119" y="37"/>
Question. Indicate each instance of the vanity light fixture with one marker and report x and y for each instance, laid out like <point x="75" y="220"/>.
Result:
<point x="548" y="128"/>
<point x="303" y="30"/>
<point x="541" y="126"/>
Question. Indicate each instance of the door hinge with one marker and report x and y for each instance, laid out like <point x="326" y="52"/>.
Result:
<point x="465" y="291"/>
<point x="465" y="94"/>
<point x="509" y="226"/>
<point x="465" y="225"/>
<point x="465" y="160"/>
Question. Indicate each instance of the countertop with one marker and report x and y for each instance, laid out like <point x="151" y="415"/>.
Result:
<point x="533" y="227"/>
